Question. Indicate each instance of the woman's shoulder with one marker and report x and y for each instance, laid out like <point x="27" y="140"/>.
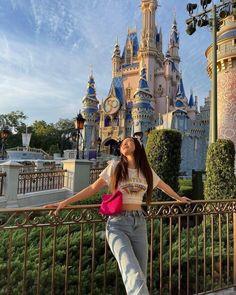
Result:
<point x="113" y="163"/>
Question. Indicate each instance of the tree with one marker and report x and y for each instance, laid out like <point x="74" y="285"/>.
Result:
<point x="64" y="124"/>
<point x="14" y="119"/>
<point x="164" y="154"/>
<point x="42" y="128"/>
<point x="220" y="179"/>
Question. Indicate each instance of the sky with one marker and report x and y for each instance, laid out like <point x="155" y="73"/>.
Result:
<point x="48" y="47"/>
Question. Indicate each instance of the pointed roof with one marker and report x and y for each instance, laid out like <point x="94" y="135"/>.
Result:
<point x="159" y="36"/>
<point x="133" y="38"/>
<point x="181" y="100"/>
<point x="116" y="89"/>
<point x="91" y="92"/>
<point x="174" y="35"/>
<point x="191" y="101"/>
<point x="143" y="84"/>
<point x="116" y="51"/>
<point x="180" y="90"/>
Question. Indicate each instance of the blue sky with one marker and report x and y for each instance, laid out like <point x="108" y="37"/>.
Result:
<point x="47" y="47"/>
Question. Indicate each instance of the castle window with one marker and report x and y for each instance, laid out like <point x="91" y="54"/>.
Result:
<point x="107" y="121"/>
<point x="128" y="56"/>
<point x="116" y="121"/>
<point x="128" y="93"/>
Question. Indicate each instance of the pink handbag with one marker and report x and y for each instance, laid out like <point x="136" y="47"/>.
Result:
<point x="111" y="204"/>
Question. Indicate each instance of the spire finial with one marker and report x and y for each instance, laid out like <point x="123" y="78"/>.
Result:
<point x="180" y="71"/>
<point x="174" y="15"/>
<point x="91" y="70"/>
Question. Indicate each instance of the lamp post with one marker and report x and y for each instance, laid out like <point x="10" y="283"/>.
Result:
<point x="202" y="20"/>
<point x="99" y="141"/>
<point x="4" y="133"/>
<point x="79" y="125"/>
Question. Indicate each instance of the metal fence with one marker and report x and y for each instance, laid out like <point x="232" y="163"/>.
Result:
<point x="94" y="174"/>
<point x="191" y="250"/>
<point x="2" y="178"/>
<point x="40" y="181"/>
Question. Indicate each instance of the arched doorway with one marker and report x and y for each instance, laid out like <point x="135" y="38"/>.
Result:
<point x="113" y="146"/>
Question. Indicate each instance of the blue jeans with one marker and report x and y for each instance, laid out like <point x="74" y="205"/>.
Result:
<point x="127" y="237"/>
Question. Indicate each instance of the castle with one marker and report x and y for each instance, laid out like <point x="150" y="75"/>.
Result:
<point x="147" y="92"/>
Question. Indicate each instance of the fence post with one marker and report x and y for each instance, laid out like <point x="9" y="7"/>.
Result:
<point x="234" y="239"/>
<point x="12" y="170"/>
<point x="79" y="170"/>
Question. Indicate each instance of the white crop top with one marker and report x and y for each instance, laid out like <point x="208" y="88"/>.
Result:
<point x="134" y="188"/>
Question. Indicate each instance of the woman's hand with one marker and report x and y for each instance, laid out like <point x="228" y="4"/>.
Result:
<point x="58" y="206"/>
<point x="185" y="200"/>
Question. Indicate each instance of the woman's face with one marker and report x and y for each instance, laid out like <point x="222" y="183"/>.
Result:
<point x="127" y="147"/>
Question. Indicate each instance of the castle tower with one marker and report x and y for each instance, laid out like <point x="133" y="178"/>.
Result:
<point x="192" y="106"/>
<point x="116" y="61"/>
<point x="142" y="110"/>
<point x="90" y="114"/>
<point x="150" y="50"/>
<point x="173" y="45"/>
<point x="181" y="101"/>
<point x="148" y="35"/>
<point x="226" y="77"/>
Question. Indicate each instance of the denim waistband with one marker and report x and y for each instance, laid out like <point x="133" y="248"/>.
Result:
<point x="132" y="213"/>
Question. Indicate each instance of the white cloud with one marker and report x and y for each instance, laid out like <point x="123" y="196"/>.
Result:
<point x="47" y="50"/>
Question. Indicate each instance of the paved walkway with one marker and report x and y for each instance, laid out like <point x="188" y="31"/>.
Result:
<point x="230" y="291"/>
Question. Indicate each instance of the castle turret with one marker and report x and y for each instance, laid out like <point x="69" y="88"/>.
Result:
<point x="181" y="101"/>
<point x="150" y="45"/>
<point x="131" y="48"/>
<point x="148" y="35"/>
<point x="173" y="46"/>
<point x="142" y="110"/>
<point x="226" y="77"/>
<point x="192" y="107"/>
<point x="116" y="61"/>
<point x="90" y="114"/>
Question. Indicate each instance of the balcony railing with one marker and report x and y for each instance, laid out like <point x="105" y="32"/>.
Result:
<point x="40" y="181"/>
<point x="191" y="250"/>
<point x="2" y="178"/>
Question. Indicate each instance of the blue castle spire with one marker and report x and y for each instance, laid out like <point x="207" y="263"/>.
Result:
<point x="180" y="91"/>
<point x="91" y="92"/>
<point x="143" y="84"/>
<point x="191" y="102"/>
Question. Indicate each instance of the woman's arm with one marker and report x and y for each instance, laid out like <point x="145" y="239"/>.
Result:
<point x="82" y="195"/>
<point x="170" y="192"/>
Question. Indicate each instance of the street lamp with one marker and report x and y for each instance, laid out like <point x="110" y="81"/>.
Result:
<point x="79" y="125"/>
<point x="4" y="133"/>
<point x="99" y="141"/>
<point x="202" y="19"/>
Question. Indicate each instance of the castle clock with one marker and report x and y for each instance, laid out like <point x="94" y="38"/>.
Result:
<point x="111" y="105"/>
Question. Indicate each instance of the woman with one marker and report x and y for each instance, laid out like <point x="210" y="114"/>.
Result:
<point x="126" y="232"/>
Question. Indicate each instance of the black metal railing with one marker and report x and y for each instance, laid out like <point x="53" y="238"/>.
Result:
<point x="191" y="250"/>
<point x="94" y="174"/>
<point x="40" y="181"/>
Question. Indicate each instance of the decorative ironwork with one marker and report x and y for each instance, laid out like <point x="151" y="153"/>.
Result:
<point x="191" y="250"/>
<point x="94" y="174"/>
<point x="2" y="178"/>
<point x="40" y="181"/>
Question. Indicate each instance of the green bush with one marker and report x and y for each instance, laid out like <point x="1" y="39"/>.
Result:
<point x="164" y="154"/>
<point x="185" y="188"/>
<point x="220" y="179"/>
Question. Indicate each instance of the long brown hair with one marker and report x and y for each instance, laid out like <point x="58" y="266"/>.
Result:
<point x="141" y="163"/>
